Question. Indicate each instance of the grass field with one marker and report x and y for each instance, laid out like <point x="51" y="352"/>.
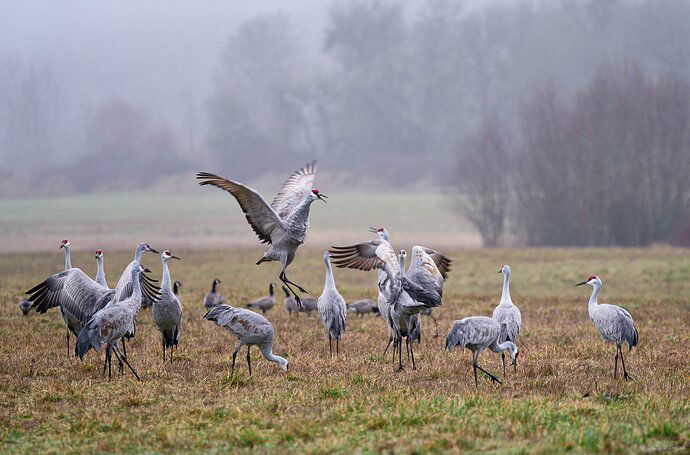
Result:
<point x="562" y="398"/>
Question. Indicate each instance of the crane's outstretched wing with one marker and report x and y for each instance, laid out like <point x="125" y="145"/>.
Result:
<point x="261" y="217"/>
<point x="425" y="280"/>
<point x="374" y="254"/>
<point x="73" y="290"/>
<point x="442" y="262"/>
<point x="294" y="190"/>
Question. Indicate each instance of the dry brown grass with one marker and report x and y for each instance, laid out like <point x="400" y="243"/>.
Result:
<point x="562" y="397"/>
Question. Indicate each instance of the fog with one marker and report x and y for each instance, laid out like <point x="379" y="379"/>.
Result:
<point x="127" y="96"/>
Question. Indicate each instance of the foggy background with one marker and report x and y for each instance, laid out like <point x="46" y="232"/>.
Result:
<point x="557" y="122"/>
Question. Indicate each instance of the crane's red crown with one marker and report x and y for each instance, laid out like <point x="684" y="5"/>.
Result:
<point x="380" y="229"/>
<point x="65" y="241"/>
<point x="166" y="252"/>
<point x="99" y="252"/>
<point x="593" y="277"/>
<point x="315" y="191"/>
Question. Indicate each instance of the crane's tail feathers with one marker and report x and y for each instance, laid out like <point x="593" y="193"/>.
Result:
<point x="217" y="313"/>
<point x="88" y="339"/>
<point x="632" y="338"/>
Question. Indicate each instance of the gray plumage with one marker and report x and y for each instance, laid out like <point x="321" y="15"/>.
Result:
<point x="309" y="304"/>
<point x="284" y="223"/>
<point x="167" y="311"/>
<point x="614" y="324"/>
<point x="251" y="329"/>
<point x="25" y="306"/>
<point x="214" y="297"/>
<point x="507" y="315"/>
<point x="362" y="307"/>
<point x="265" y="303"/>
<point x="478" y="333"/>
<point x="290" y="302"/>
<point x="332" y="309"/>
<point x="124" y="287"/>
<point x="112" y="323"/>
<point x="100" y="270"/>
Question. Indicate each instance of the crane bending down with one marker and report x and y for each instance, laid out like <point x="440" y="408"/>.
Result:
<point x="478" y="333"/>
<point x="407" y="294"/>
<point x="508" y="316"/>
<point x="112" y="323"/>
<point x="613" y="322"/>
<point x="332" y="309"/>
<point x="250" y="329"/>
<point x="282" y="224"/>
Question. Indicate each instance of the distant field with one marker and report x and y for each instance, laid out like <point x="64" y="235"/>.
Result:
<point x="561" y="399"/>
<point x="211" y="218"/>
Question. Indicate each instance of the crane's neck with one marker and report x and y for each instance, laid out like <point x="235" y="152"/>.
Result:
<point x="268" y="354"/>
<point x="100" y="272"/>
<point x="165" y="280"/>
<point x="593" y="298"/>
<point x="403" y="260"/>
<point x="136" y="286"/>
<point x="330" y="280"/>
<point x="506" y="345"/>
<point x="138" y="253"/>
<point x="302" y="210"/>
<point x="270" y="290"/>
<point x="68" y="258"/>
<point x="505" y="295"/>
<point x="213" y="286"/>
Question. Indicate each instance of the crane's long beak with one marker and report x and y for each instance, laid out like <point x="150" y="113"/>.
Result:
<point x="500" y="271"/>
<point x="175" y="257"/>
<point x="61" y="246"/>
<point x="153" y="251"/>
<point x="580" y="284"/>
<point x="147" y="271"/>
<point x="323" y="197"/>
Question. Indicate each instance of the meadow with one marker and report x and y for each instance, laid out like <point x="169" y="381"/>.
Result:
<point x="562" y="398"/>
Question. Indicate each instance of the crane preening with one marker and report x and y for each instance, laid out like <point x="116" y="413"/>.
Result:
<point x="282" y="224"/>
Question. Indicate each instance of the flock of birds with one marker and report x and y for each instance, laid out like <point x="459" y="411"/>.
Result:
<point x="103" y="317"/>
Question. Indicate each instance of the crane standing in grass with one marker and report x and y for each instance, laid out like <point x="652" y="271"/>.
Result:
<point x="332" y="308"/>
<point x="167" y="311"/>
<point x="478" y="333"/>
<point x="507" y="315"/>
<point x="251" y="329"/>
<point x="284" y="223"/>
<point x="613" y="322"/>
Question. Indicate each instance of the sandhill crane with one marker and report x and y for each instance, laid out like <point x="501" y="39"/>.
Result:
<point x="77" y="295"/>
<point x="214" y="297"/>
<point x="250" y="329"/>
<point x="100" y="272"/>
<point x="124" y="287"/>
<point x="290" y="302"/>
<point x="111" y="323"/>
<point x="167" y="310"/>
<point x="25" y="306"/>
<point x="362" y="306"/>
<point x="68" y="257"/>
<point x="176" y="288"/>
<point x="507" y="315"/>
<point x="382" y="302"/>
<point x="478" y="333"/>
<point x="421" y="287"/>
<point x="613" y="322"/>
<point x="284" y="223"/>
<point x="266" y="302"/>
<point x="332" y="309"/>
<point x="309" y="304"/>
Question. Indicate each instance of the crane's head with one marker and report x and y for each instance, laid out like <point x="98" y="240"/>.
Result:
<point x="216" y="281"/>
<point x="513" y="350"/>
<point x="65" y="243"/>
<point x="381" y="232"/>
<point x="99" y="254"/>
<point x="327" y="256"/>
<point x="505" y="270"/>
<point x="592" y="281"/>
<point x="283" y="363"/>
<point x="315" y="194"/>
<point x="167" y="255"/>
<point x="137" y="270"/>
<point x="146" y="248"/>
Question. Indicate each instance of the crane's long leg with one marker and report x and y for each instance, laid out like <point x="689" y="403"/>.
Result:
<point x="286" y="282"/>
<point x="337" y="346"/>
<point x="330" y="345"/>
<point x="285" y="279"/>
<point x="120" y="365"/>
<point x="626" y="376"/>
<point x="414" y="367"/>
<point x="124" y="359"/>
<point x="108" y="356"/>
<point x="491" y="376"/>
<point x="407" y="347"/>
<point x="615" y="362"/>
<point x="163" y="343"/>
<point x="503" y="358"/>
<point x="67" y="341"/>
<point x="172" y="349"/>
<point x="474" y="368"/>
<point x="435" y="325"/>
<point x="249" y="360"/>
<point x="390" y="340"/>
<point x="399" y="343"/>
<point x="234" y="356"/>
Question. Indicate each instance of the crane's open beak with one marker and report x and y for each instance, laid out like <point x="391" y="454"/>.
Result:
<point x="323" y="197"/>
<point x="580" y="284"/>
<point x="147" y="271"/>
<point x="61" y="246"/>
<point x="175" y="257"/>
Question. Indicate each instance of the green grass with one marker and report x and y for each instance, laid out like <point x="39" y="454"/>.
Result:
<point x="561" y="399"/>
